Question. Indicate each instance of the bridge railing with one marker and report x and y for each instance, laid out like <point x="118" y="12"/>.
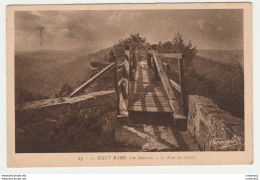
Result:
<point x="170" y="84"/>
<point x="89" y="82"/>
<point x="120" y="75"/>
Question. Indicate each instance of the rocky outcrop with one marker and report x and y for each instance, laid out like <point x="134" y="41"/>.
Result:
<point x="79" y="124"/>
<point x="213" y="128"/>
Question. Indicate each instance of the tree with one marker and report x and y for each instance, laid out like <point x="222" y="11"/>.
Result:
<point x="178" y="43"/>
<point x="167" y="46"/>
<point x="188" y="50"/>
<point x="134" y="41"/>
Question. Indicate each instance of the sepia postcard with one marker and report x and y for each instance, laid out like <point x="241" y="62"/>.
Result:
<point x="129" y="85"/>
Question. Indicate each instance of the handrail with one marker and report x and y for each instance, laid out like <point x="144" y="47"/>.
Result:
<point x="124" y="68"/>
<point x="179" y="87"/>
<point x="170" y="55"/>
<point x="175" y="85"/>
<point x="178" y="56"/>
<point x="91" y="80"/>
<point x="164" y="79"/>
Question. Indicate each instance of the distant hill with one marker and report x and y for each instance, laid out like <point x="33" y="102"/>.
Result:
<point x="228" y="56"/>
<point x="43" y="73"/>
<point x="221" y="81"/>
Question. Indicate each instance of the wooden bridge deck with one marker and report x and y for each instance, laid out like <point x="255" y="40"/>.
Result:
<point x="146" y="94"/>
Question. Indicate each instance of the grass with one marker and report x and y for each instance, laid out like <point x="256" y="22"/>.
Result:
<point x="42" y="74"/>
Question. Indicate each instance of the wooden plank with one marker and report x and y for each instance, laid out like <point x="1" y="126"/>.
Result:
<point x="144" y="72"/>
<point x="145" y="87"/>
<point x="134" y="83"/>
<point x="175" y="85"/>
<point x="148" y="98"/>
<point x="130" y="77"/>
<point x="145" y="90"/>
<point x="159" y="99"/>
<point x="142" y="96"/>
<point x="130" y="66"/>
<point x="120" y="82"/>
<point x="144" y="76"/>
<point x="122" y="88"/>
<point x="150" y="109"/>
<point x="92" y="80"/>
<point x="120" y="73"/>
<point x="170" y="55"/>
<point x="185" y="105"/>
<point x="120" y="70"/>
<point x="126" y="67"/>
<point x="149" y="103"/>
<point x="179" y="117"/>
<point x="127" y="53"/>
<point x="116" y="86"/>
<point x="164" y="79"/>
<point x="144" y="79"/>
<point x="146" y="94"/>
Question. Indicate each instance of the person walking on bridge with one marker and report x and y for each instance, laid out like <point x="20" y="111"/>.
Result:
<point x="149" y="58"/>
<point x="134" y="58"/>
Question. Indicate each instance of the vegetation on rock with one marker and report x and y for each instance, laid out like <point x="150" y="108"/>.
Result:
<point x="135" y="41"/>
<point x="65" y="91"/>
<point x="177" y="45"/>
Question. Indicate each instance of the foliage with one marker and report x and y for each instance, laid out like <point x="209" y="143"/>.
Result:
<point x="165" y="47"/>
<point x="22" y="96"/>
<point x="188" y="50"/>
<point x="134" y="41"/>
<point x="65" y="91"/>
<point x="179" y="46"/>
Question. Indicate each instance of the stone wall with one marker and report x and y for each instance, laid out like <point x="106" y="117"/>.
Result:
<point x="213" y="128"/>
<point x="80" y="124"/>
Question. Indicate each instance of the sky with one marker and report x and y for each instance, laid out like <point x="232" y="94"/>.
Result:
<point x="62" y="30"/>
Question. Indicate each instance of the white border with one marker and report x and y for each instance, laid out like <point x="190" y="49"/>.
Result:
<point x="255" y="168"/>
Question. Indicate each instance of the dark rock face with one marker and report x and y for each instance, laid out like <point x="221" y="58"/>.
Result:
<point x="213" y="128"/>
<point x="80" y="124"/>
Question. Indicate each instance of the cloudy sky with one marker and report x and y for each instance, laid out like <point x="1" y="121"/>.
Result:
<point x="208" y="29"/>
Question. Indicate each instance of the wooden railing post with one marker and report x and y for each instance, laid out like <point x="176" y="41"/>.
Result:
<point x="155" y="68"/>
<point x="182" y="84"/>
<point x="116" y="86"/>
<point x="127" y="53"/>
<point x="131" y="65"/>
<point x="164" y="79"/>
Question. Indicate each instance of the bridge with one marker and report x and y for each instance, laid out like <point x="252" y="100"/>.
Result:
<point x="146" y="90"/>
<point x="161" y="116"/>
<point x="146" y="94"/>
